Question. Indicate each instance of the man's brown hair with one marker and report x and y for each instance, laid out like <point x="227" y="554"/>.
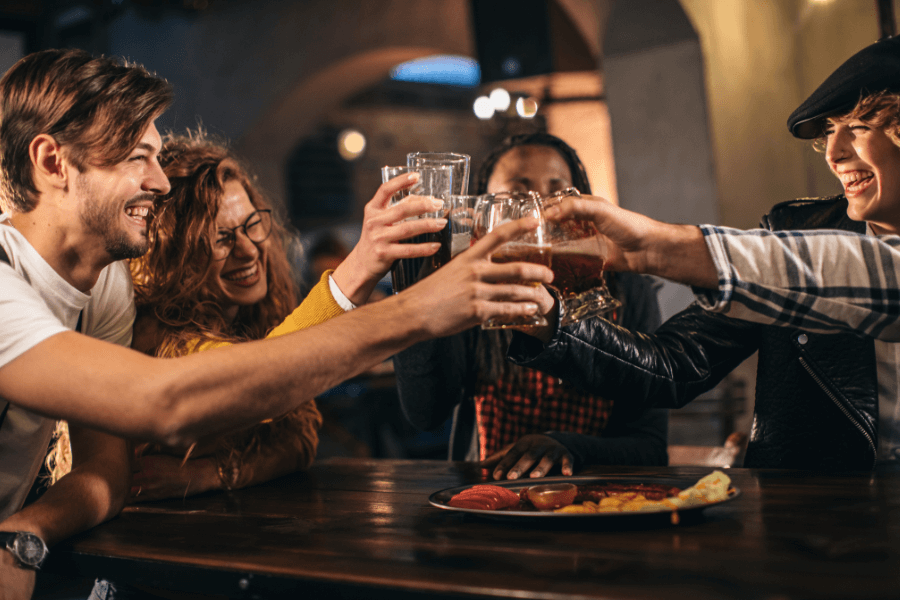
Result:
<point x="96" y="108"/>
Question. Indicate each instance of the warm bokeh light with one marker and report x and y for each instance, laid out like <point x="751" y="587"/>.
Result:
<point x="527" y="107"/>
<point x="351" y="144"/>
<point x="500" y="99"/>
<point x="483" y="107"/>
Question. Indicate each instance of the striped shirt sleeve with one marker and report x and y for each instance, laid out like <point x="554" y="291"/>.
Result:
<point x="821" y="280"/>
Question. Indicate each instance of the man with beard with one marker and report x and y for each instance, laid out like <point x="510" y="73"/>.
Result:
<point x="79" y="175"/>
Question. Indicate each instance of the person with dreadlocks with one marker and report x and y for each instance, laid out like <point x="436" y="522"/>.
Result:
<point x="515" y="419"/>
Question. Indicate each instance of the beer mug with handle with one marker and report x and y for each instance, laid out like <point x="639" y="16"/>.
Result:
<point x="578" y="254"/>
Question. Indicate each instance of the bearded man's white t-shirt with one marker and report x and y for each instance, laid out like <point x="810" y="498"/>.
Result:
<point x="35" y="304"/>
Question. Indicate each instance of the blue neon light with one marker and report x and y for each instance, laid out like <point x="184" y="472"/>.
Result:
<point x="443" y="69"/>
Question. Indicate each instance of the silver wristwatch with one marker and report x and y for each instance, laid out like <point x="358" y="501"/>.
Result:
<point x="28" y="548"/>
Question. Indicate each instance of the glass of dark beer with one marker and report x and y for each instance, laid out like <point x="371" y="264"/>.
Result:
<point x="436" y="182"/>
<point x="493" y="210"/>
<point x="578" y="255"/>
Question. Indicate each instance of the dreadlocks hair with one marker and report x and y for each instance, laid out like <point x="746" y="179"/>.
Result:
<point x="576" y="168"/>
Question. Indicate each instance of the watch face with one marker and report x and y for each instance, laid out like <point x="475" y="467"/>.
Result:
<point x="29" y="549"/>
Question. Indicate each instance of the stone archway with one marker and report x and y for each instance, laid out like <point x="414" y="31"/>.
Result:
<point x="273" y="136"/>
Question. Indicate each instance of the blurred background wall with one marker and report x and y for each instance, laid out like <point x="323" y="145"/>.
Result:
<point x="677" y="107"/>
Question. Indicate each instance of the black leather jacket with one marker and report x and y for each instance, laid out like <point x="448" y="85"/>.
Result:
<point x="816" y="394"/>
<point x="437" y="378"/>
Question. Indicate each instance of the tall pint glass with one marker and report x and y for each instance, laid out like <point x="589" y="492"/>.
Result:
<point x="435" y="182"/>
<point x="458" y="162"/>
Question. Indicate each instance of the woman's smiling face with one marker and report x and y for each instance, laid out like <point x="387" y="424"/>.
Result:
<point x="867" y="162"/>
<point x="239" y="279"/>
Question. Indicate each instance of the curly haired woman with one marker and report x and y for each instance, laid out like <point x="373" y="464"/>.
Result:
<point x="217" y="273"/>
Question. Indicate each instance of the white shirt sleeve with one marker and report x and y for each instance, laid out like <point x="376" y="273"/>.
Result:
<point x="25" y="319"/>
<point x="339" y="296"/>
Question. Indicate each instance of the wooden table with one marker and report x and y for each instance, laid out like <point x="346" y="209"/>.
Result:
<point x="353" y="528"/>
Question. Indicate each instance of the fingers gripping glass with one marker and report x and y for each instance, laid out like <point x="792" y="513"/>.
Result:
<point x="493" y="210"/>
<point x="257" y="228"/>
<point x="578" y="257"/>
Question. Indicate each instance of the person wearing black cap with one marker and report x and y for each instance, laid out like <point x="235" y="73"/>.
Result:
<point x="823" y="400"/>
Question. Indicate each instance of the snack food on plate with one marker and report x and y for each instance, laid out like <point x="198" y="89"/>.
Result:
<point x="712" y="488"/>
<point x="485" y="497"/>
<point x="594" y="498"/>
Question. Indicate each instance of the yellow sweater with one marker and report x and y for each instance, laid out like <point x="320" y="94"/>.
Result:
<point x="298" y="429"/>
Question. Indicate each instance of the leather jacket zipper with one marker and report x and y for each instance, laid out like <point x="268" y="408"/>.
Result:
<point x="840" y="405"/>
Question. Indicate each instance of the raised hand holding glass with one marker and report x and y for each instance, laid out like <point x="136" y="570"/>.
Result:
<point x="578" y="257"/>
<point x="493" y="210"/>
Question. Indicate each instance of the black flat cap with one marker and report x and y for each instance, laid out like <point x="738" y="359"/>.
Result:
<point x="873" y="69"/>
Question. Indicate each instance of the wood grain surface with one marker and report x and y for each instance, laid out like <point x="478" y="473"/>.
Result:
<point x="361" y="528"/>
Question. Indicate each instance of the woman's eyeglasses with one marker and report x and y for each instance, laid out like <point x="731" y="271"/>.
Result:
<point x="257" y="228"/>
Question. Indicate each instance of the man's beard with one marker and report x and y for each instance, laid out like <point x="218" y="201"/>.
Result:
<point x="103" y="219"/>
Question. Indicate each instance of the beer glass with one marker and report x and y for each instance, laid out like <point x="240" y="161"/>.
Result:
<point x="578" y="254"/>
<point x="435" y="182"/>
<point x="461" y="214"/>
<point x="458" y="162"/>
<point x="493" y="210"/>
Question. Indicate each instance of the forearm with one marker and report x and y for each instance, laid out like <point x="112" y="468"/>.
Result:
<point x="92" y="492"/>
<point x="177" y="401"/>
<point x="225" y="389"/>
<point x="833" y="279"/>
<point x="75" y="503"/>
<point x="318" y="306"/>
<point x="643" y="443"/>
<point x="675" y="252"/>
<point x="687" y="356"/>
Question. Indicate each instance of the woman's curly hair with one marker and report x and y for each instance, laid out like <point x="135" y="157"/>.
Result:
<point x="171" y="281"/>
<point x="173" y="291"/>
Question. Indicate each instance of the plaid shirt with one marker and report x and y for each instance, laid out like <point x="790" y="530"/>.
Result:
<point x="820" y="280"/>
<point x="508" y="409"/>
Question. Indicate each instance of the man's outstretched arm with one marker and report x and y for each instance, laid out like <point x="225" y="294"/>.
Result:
<point x="824" y="280"/>
<point x="176" y="401"/>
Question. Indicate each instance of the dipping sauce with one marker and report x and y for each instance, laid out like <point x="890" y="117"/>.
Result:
<point x="552" y="496"/>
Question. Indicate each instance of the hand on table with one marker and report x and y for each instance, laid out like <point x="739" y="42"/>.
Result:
<point x="470" y="289"/>
<point x="548" y="305"/>
<point x="159" y="476"/>
<point x="383" y="229"/>
<point x="514" y="460"/>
